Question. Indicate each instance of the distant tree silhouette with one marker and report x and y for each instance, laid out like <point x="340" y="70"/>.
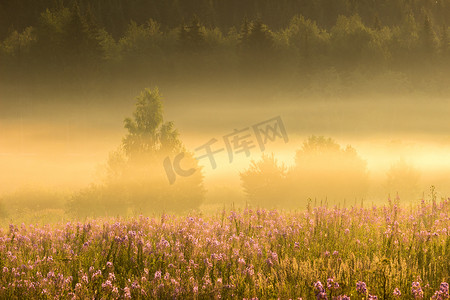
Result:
<point x="324" y="170"/>
<point x="264" y="182"/>
<point x="192" y="36"/>
<point x="255" y="37"/>
<point x="135" y="178"/>
<point x="445" y="41"/>
<point x="427" y="37"/>
<point x="403" y="179"/>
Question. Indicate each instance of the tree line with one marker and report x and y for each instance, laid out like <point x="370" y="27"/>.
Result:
<point x="289" y="36"/>
<point x="115" y="15"/>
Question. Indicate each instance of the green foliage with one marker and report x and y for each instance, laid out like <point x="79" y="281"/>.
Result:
<point x="152" y="39"/>
<point x="192" y="37"/>
<point x="350" y="40"/>
<point x="428" y="38"/>
<point x="17" y="44"/>
<point x="141" y="41"/>
<point x="307" y="38"/>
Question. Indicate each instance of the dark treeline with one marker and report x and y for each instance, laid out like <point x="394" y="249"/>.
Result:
<point x="329" y="40"/>
<point x="116" y="15"/>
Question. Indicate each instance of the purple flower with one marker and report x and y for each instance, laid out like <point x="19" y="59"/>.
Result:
<point x="416" y="290"/>
<point x="443" y="292"/>
<point x="331" y="284"/>
<point x="361" y="287"/>
<point x="318" y="287"/>
<point x="126" y="293"/>
<point x="319" y="290"/>
<point x="444" y="287"/>
<point x="397" y="293"/>
<point x="107" y="285"/>
<point x="158" y="275"/>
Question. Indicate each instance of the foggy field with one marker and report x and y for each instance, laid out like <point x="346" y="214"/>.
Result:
<point x="224" y="149"/>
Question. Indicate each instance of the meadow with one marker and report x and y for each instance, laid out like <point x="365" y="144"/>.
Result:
<point x="378" y="252"/>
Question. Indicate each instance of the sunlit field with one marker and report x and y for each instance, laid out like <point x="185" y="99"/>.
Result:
<point x="224" y="149"/>
<point x="389" y="252"/>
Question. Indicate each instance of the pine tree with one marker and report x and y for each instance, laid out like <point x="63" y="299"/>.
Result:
<point x="244" y="33"/>
<point x="445" y="41"/>
<point x="260" y="37"/>
<point x="427" y="38"/>
<point x="191" y="37"/>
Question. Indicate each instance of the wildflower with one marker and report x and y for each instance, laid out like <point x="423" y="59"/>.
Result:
<point x="167" y="276"/>
<point x="158" y="275"/>
<point x="331" y="284"/>
<point x="85" y="278"/>
<point x="397" y="293"/>
<point x="115" y="292"/>
<point x="320" y="291"/>
<point x="274" y="256"/>
<point x="442" y="293"/>
<point x="96" y="274"/>
<point x="361" y="287"/>
<point x="126" y="293"/>
<point x="416" y="290"/>
<point x="444" y="287"/>
<point x="107" y="285"/>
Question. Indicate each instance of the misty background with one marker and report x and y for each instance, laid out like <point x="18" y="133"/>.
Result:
<point x="374" y="76"/>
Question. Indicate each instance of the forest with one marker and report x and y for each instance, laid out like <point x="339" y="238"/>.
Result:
<point x="398" y="46"/>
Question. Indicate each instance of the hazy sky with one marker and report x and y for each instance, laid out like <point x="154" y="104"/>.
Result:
<point x="64" y="144"/>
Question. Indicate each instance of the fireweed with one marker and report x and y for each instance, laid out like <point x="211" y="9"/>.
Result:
<point x="323" y="253"/>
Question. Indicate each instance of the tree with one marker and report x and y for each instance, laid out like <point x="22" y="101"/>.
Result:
<point x="445" y="41"/>
<point x="135" y="178"/>
<point x="264" y="182"/>
<point x="257" y="37"/>
<point x="192" y="37"/>
<point x="325" y="170"/>
<point x="403" y="179"/>
<point x="305" y="36"/>
<point x="80" y="40"/>
<point x="350" y="40"/>
<point x="256" y="46"/>
<point x="17" y="45"/>
<point x="427" y="38"/>
<point x="141" y="41"/>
